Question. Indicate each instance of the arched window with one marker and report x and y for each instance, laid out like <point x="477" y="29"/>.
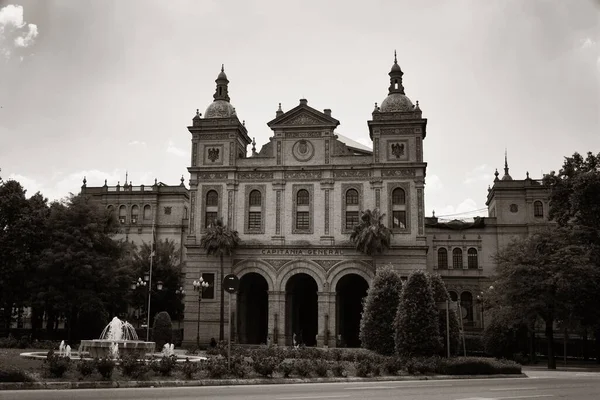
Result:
<point x="453" y="295"/>
<point x="398" y="197"/>
<point x="442" y="260"/>
<point x="351" y="209"/>
<point x="123" y="214"/>
<point x="302" y="198"/>
<point x="255" y="198"/>
<point x="466" y="302"/>
<point x="398" y="209"/>
<point x="302" y="210"/>
<point x="255" y="211"/>
<point x="147" y="212"/>
<point x="212" y="198"/>
<point x="212" y="208"/>
<point x="457" y="259"/>
<point x="538" y="209"/>
<point x="135" y="211"/>
<point x="472" y="258"/>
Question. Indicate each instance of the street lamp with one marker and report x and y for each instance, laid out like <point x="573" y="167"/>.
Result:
<point x="481" y="301"/>
<point x="146" y="283"/>
<point x="199" y="286"/>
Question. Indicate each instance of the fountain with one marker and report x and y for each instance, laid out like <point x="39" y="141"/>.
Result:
<point x="117" y="339"/>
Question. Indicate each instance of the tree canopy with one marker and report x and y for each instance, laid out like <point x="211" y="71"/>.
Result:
<point x="371" y="236"/>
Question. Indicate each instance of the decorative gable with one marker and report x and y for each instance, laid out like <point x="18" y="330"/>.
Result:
<point x="303" y="116"/>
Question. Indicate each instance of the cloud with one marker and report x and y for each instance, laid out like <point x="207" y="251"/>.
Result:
<point x="433" y="184"/>
<point x="137" y="143"/>
<point x="15" y="34"/>
<point x="478" y="174"/>
<point x="468" y="208"/>
<point x="587" y="43"/>
<point x="175" y="150"/>
<point x="61" y="186"/>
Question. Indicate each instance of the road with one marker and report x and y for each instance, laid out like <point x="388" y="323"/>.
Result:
<point x="550" y="385"/>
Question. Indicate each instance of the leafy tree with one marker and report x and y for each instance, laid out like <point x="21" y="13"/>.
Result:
<point x="166" y="268"/>
<point x="371" y="236"/>
<point x="80" y="273"/>
<point x="381" y="304"/>
<point x="219" y="240"/>
<point x="547" y="274"/>
<point x="23" y="225"/>
<point x="440" y="295"/>
<point x="417" y="331"/>
<point x="162" y="331"/>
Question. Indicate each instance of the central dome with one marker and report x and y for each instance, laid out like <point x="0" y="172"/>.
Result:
<point x="396" y="102"/>
<point x="219" y="109"/>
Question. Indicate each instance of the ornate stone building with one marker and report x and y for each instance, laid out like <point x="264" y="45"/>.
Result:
<point x="294" y="204"/>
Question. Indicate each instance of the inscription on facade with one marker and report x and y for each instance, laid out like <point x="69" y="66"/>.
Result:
<point x="255" y="175"/>
<point x="303" y="252"/>
<point x="302" y="175"/>
<point x="399" y="172"/>
<point x="352" y="174"/>
<point x="298" y="135"/>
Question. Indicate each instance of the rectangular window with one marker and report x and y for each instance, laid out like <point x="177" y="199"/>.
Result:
<point x="302" y="220"/>
<point x="254" y="220"/>
<point x="209" y="292"/>
<point x="399" y="219"/>
<point x="209" y="218"/>
<point x="351" y="219"/>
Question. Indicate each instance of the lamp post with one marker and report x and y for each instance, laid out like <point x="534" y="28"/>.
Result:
<point x="199" y="286"/>
<point x="146" y="283"/>
<point x="481" y="301"/>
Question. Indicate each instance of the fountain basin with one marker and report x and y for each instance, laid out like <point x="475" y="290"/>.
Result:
<point x="100" y="348"/>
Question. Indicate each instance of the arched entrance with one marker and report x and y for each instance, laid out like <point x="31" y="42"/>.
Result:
<point x="253" y="309"/>
<point x="350" y="291"/>
<point x="301" y="310"/>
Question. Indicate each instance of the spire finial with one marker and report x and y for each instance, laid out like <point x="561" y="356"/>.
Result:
<point x="433" y="213"/>
<point x="222" y="67"/>
<point x="395" y="58"/>
<point x="126" y="176"/>
<point x="253" y="146"/>
<point x="506" y="176"/>
<point x="84" y="181"/>
<point x="182" y="180"/>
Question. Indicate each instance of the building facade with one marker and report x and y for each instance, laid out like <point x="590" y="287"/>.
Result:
<point x="295" y="202"/>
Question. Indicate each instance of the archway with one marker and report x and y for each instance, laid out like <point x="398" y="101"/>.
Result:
<point x="253" y="309"/>
<point x="301" y="310"/>
<point x="350" y="291"/>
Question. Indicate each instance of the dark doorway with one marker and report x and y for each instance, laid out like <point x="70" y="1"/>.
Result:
<point x="253" y="309"/>
<point x="350" y="291"/>
<point x="301" y="310"/>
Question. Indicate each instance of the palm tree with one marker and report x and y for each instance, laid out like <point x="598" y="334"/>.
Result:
<point x="219" y="240"/>
<point x="371" y="236"/>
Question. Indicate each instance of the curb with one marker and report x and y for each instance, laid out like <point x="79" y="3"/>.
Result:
<point x="230" y="382"/>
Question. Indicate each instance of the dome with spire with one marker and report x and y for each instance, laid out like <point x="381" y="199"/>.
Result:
<point x="396" y="101"/>
<point x="221" y="107"/>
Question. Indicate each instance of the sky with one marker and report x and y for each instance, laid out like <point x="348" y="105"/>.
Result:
<point x="101" y="88"/>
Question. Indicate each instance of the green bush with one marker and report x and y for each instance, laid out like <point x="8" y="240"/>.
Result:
<point x="162" y="330"/>
<point x="216" y="367"/>
<point x="165" y="365"/>
<point x="417" y="331"/>
<point x="56" y="365"/>
<point x="424" y="365"/>
<point x="440" y="295"/>
<point x="303" y="367"/>
<point x="339" y="369"/>
<point x="105" y="367"/>
<point x="363" y="368"/>
<point x="392" y="365"/>
<point x="286" y="368"/>
<point x="265" y="366"/>
<point x="321" y="367"/>
<point x="381" y="303"/>
<point x="189" y="368"/>
<point x="479" y="366"/>
<point x="8" y="373"/>
<point x="86" y="367"/>
<point x="500" y="336"/>
<point x="132" y="366"/>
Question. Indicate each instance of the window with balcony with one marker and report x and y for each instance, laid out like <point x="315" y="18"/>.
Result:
<point x="457" y="258"/>
<point x="123" y="214"/>
<point x="472" y="258"/>
<point x="538" y="209"/>
<point x="135" y="211"/>
<point x="398" y="209"/>
<point x="442" y="258"/>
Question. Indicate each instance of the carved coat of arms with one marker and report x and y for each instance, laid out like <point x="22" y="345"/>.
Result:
<point x="213" y="154"/>
<point x="398" y="149"/>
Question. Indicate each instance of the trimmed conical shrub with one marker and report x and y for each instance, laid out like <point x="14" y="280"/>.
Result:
<point x="163" y="329"/>
<point x="381" y="303"/>
<point x="417" y="330"/>
<point x="440" y="295"/>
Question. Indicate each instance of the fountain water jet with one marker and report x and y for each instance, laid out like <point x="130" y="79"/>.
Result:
<point x="117" y="338"/>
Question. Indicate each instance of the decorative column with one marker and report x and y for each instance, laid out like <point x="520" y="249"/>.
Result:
<point x="276" y="320"/>
<point x="327" y="238"/>
<point x="279" y="189"/>
<point x="326" y="322"/>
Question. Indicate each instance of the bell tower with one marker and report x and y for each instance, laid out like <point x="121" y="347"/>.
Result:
<point x="397" y="130"/>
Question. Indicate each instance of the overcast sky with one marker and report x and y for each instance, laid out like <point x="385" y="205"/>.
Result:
<point x="96" y="88"/>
